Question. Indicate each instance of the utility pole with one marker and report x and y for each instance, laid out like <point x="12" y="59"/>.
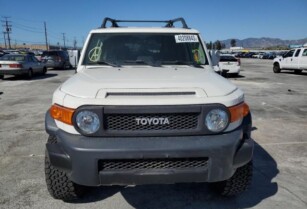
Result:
<point x="47" y="48"/>
<point x="4" y="39"/>
<point x="8" y="29"/>
<point x="64" y="40"/>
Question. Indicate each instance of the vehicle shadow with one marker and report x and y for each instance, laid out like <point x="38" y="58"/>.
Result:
<point x="47" y="75"/>
<point x="304" y="73"/>
<point x="200" y="196"/>
<point x="235" y="76"/>
<point x="35" y="77"/>
<point x="61" y="69"/>
<point x="197" y="195"/>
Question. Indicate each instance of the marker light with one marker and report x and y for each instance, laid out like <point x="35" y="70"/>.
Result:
<point x="62" y="114"/>
<point x="238" y="112"/>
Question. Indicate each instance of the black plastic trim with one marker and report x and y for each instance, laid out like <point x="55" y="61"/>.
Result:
<point x="79" y="155"/>
<point x="169" y="23"/>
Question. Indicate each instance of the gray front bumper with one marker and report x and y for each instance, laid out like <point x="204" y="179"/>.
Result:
<point x="79" y="155"/>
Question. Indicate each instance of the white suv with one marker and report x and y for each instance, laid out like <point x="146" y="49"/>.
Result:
<point x="144" y="107"/>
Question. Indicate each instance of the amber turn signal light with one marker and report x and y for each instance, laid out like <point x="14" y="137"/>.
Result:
<point x="239" y="111"/>
<point x="62" y="114"/>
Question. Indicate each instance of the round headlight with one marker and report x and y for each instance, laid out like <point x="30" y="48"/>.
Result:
<point x="217" y="120"/>
<point x="88" y="121"/>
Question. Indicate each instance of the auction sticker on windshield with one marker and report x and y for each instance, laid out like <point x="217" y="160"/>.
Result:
<point x="186" y="38"/>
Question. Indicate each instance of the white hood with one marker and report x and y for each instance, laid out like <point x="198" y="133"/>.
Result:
<point x="88" y="82"/>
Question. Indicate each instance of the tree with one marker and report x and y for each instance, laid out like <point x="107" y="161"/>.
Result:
<point x="209" y="45"/>
<point x="217" y="45"/>
<point x="233" y="42"/>
<point x="223" y="45"/>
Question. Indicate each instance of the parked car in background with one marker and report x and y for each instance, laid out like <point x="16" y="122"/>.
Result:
<point x="249" y="54"/>
<point x="258" y="55"/>
<point x="240" y="54"/>
<point x="230" y="64"/>
<point x="11" y="51"/>
<point x="269" y="55"/>
<point x="56" y="59"/>
<point x="38" y="54"/>
<point x="295" y="59"/>
<point x="2" y="53"/>
<point x="20" y="64"/>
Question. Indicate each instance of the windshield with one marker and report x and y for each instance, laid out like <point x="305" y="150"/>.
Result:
<point x="51" y="53"/>
<point x="148" y="49"/>
<point x="9" y="57"/>
<point x="228" y="59"/>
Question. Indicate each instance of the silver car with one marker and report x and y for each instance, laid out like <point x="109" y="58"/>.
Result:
<point x="21" y="64"/>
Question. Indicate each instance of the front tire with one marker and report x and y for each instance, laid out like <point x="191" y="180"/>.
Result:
<point x="44" y="71"/>
<point x="1" y="77"/>
<point x="58" y="183"/>
<point x="276" y="68"/>
<point x="237" y="184"/>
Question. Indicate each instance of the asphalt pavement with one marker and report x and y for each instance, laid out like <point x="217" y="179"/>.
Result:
<point x="279" y="108"/>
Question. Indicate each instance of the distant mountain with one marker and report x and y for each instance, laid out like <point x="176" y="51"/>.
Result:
<point x="263" y="42"/>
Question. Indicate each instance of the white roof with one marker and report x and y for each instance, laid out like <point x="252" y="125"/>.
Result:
<point x="143" y="30"/>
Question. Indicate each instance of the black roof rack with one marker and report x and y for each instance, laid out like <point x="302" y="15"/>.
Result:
<point x="169" y="23"/>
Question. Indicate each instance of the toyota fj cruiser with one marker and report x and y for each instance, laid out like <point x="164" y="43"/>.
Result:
<point x="146" y="107"/>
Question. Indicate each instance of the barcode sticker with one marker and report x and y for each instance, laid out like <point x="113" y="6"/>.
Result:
<point x="186" y="38"/>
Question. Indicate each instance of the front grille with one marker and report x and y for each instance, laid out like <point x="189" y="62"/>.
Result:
<point x="151" y="164"/>
<point x="128" y="122"/>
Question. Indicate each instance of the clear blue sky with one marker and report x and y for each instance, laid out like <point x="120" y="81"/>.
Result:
<point x="215" y="19"/>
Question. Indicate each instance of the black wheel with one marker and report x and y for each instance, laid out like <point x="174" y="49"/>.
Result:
<point x="44" y="71"/>
<point x="30" y="74"/>
<point x="297" y="71"/>
<point x="62" y="67"/>
<point x="237" y="184"/>
<point x="58" y="183"/>
<point x="1" y="77"/>
<point x="276" y="68"/>
<point x="66" y="65"/>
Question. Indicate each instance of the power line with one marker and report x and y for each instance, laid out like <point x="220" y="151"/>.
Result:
<point x="30" y="42"/>
<point x="25" y="26"/>
<point x="28" y="20"/>
<point x="32" y="31"/>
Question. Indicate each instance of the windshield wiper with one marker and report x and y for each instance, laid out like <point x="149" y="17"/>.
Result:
<point x="106" y="63"/>
<point x="179" y="62"/>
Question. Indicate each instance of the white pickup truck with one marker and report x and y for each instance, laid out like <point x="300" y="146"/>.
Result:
<point x="295" y="59"/>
